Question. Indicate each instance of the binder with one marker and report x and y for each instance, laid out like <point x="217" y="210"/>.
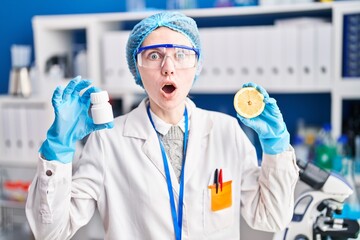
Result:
<point x="323" y="54"/>
<point x="246" y="54"/>
<point x="299" y="50"/>
<point x="261" y="56"/>
<point x="238" y="59"/>
<point x="242" y="66"/>
<point x="115" y="68"/>
<point x="290" y="36"/>
<point x="6" y="138"/>
<point x="10" y="131"/>
<point x="213" y="55"/>
<point x="307" y="54"/>
<point x="351" y="48"/>
<point x="35" y="127"/>
<point x="275" y="63"/>
<point x="219" y="63"/>
<point x="19" y="132"/>
<point x="231" y="40"/>
<point x="25" y="151"/>
<point x="205" y="75"/>
<point x="216" y="54"/>
<point x="44" y="123"/>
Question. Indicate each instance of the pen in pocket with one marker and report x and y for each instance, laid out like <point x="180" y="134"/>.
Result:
<point x="216" y="180"/>
<point x="221" y="180"/>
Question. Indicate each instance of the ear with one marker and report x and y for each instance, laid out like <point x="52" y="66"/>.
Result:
<point x="199" y="68"/>
<point x="138" y="80"/>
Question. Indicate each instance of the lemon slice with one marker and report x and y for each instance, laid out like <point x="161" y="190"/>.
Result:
<point x="248" y="102"/>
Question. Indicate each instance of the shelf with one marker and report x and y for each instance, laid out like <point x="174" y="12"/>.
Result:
<point x="13" y="99"/>
<point x="54" y="35"/>
<point x="15" y="163"/>
<point x="17" y="231"/>
<point x="11" y="204"/>
<point x="272" y="89"/>
<point x="349" y="85"/>
<point x="23" y="126"/>
<point x="75" y="21"/>
<point x="257" y="10"/>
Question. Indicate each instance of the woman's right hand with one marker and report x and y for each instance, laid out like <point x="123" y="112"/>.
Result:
<point x="72" y="121"/>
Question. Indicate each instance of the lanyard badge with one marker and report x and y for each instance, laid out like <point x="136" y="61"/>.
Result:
<point x="177" y="218"/>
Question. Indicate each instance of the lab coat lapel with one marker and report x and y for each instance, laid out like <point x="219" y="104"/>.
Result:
<point x="138" y="126"/>
<point x="200" y="128"/>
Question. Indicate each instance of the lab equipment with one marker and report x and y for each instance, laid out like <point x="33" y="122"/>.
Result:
<point x="173" y="20"/>
<point x="101" y="111"/>
<point x="80" y="62"/>
<point x="314" y="211"/>
<point x="72" y="121"/>
<point x="325" y="149"/>
<point x="57" y="67"/>
<point x="357" y="154"/>
<point x="269" y="125"/>
<point x="343" y="154"/>
<point x="352" y="204"/>
<point x="19" y="83"/>
<point x="302" y="151"/>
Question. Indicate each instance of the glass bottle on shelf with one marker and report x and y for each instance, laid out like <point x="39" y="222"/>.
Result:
<point x="325" y="149"/>
<point x="351" y="207"/>
<point x="343" y="154"/>
<point x="135" y="5"/>
<point x="181" y="4"/>
<point x="357" y="166"/>
<point x="301" y="149"/>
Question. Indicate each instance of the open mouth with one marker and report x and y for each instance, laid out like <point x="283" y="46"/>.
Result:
<point x="169" y="88"/>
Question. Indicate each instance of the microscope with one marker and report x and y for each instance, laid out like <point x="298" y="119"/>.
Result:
<point x="314" y="212"/>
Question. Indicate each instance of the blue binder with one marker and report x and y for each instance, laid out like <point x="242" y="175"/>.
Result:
<point x="351" y="46"/>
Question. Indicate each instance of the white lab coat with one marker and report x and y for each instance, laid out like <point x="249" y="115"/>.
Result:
<point x="121" y="173"/>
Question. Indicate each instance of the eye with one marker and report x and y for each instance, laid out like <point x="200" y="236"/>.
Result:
<point x="181" y="55"/>
<point x="154" y="56"/>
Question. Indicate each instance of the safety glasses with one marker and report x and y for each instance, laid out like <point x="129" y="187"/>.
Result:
<point x="154" y="56"/>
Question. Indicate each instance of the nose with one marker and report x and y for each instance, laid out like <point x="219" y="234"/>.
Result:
<point x="167" y="66"/>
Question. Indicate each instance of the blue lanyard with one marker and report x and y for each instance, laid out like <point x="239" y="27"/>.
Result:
<point x="177" y="218"/>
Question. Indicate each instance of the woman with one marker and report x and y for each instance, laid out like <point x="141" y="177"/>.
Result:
<point x="167" y="169"/>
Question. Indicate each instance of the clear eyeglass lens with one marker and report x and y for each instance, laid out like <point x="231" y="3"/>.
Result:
<point x="154" y="57"/>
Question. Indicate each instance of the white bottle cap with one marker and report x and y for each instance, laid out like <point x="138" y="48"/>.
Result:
<point x="99" y="97"/>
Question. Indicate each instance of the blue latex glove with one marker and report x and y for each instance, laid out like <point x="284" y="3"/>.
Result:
<point x="72" y="121"/>
<point x="269" y="125"/>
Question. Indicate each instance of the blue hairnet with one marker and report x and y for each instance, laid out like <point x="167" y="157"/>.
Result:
<point x="173" y="20"/>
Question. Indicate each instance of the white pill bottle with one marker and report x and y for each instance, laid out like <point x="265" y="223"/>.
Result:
<point x="101" y="110"/>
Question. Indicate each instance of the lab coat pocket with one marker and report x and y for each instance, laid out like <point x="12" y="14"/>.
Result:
<point x="218" y="206"/>
<point x="221" y="198"/>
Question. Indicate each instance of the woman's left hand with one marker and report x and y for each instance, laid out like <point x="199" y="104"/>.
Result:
<point x="269" y="125"/>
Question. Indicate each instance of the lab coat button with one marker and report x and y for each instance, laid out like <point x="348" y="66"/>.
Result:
<point x="48" y="173"/>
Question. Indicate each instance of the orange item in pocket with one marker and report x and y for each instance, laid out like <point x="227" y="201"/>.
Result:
<point x="222" y="199"/>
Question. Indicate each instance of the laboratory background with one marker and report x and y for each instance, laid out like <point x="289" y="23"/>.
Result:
<point x="306" y="54"/>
